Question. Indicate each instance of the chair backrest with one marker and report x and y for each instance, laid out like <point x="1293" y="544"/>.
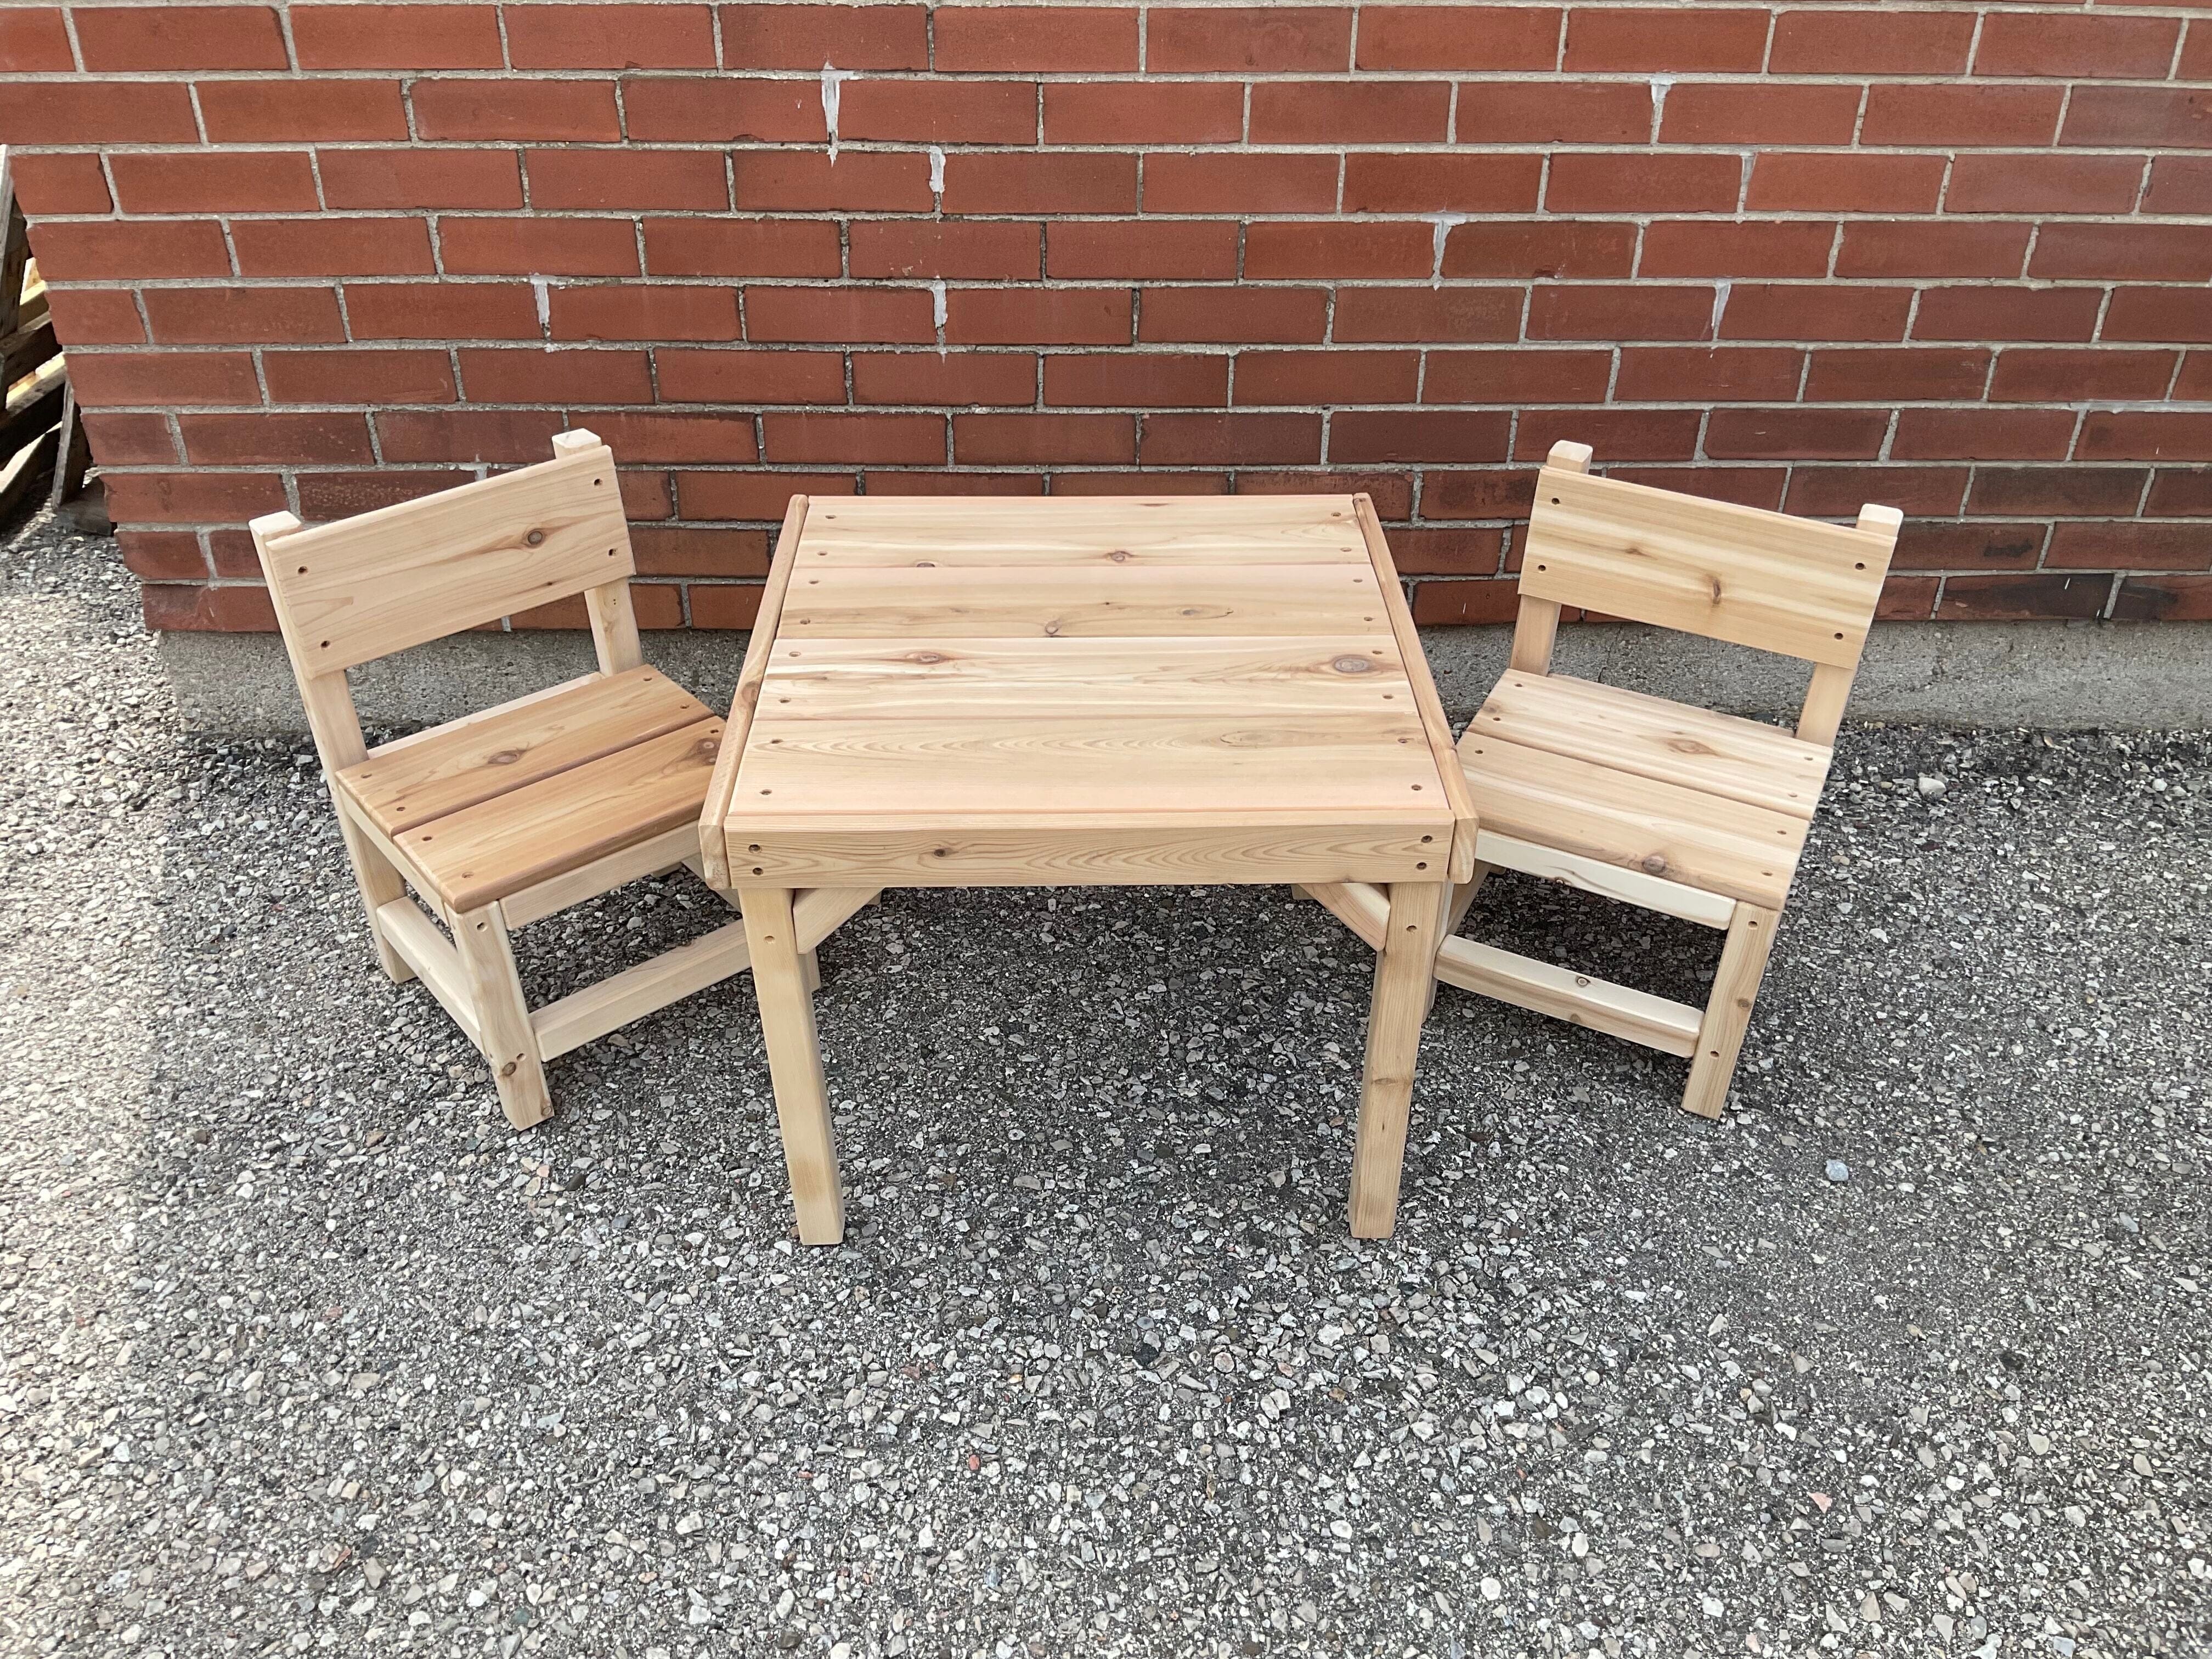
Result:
<point x="1790" y="585"/>
<point x="364" y="587"/>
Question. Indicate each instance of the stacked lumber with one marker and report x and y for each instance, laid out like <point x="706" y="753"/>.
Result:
<point x="40" y="438"/>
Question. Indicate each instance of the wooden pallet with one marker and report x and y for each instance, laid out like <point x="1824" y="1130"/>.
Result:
<point x="41" y="441"/>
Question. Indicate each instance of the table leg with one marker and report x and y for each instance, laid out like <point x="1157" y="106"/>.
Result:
<point x="794" y="1061"/>
<point x="1404" y="971"/>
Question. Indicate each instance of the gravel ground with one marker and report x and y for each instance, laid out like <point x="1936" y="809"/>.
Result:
<point x="302" y="1349"/>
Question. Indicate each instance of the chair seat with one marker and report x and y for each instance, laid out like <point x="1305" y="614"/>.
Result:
<point x="1707" y="801"/>
<point x="490" y="805"/>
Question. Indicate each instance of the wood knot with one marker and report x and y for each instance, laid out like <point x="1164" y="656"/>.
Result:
<point x="534" y="538"/>
<point x="927" y="659"/>
<point x="1688" y="746"/>
<point x="706" y="748"/>
<point x="1120" y="555"/>
<point x="1654" y="864"/>
<point x="1350" y="665"/>
<point x="503" y="757"/>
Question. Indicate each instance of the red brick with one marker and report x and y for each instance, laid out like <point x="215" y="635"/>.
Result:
<point x="1243" y="438"/>
<point x="163" y="380"/>
<point x="1466" y="603"/>
<point x="1554" y="113"/>
<point x="2159" y="314"/>
<point x="939" y="112"/>
<point x="242" y="316"/>
<point x="95" y="316"/>
<point x="2043" y="183"/>
<point x="466" y="435"/>
<point x="725" y="376"/>
<point x="1874" y="248"/>
<point x="732" y="605"/>
<point x="1420" y="434"/>
<point x="2134" y="252"/>
<point x="1540" y="248"/>
<point x="987" y="251"/>
<point x="516" y="108"/>
<point x="942" y="483"/>
<point x="1784" y="434"/>
<point x="805" y="37"/>
<point x="179" y="37"/>
<point x="1269" y="39"/>
<point x="658" y="436"/>
<point x="2178" y="183"/>
<point x="192" y="497"/>
<point x="681" y="110"/>
<point x="1630" y="182"/>
<point x="753" y="494"/>
<point x="1824" y="183"/>
<point x="179" y="608"/>
<point x="1927" y="114"/>
<point x="1392" y="490"/>
<point x="2129" y="546"/>
<point x="1032" y="316"/>
<point x="2163" y="598"/>
<point x="1637" y="38"/>
<point x="2162" y="434"/>
<point x="1039" y="37"/>
<point x="868" y="440"/>
<point x="2079" y="47"/>
<point x="661" y="35"/>
<point x="2163" y="118"/>
<point x="1193" y="249"/>
<point x="530" y="374"/>
<point x="1650" y="311"/>
<point x="646" y="496"/>
<point x="451" y="311"/>
<point x="1646" y="435"/>
<point x="1419" y="316"/>
<point x="1981" y="313"/>
<point x="1293" y="248"/>
<point x="1897" y="374"/>
<point x="1434" y="37"/>
<point x="686" y="550"/>
<point x="1925" y="545"/>
<point x="1514" y="378"/>
<point x="1887" y="42"/>
<point x="130" y="249"/>
<point x="1059" y="181"/>
<point x="540" y="247"/>
<point x="421" y="178"/>
<point x="259" y="181"/>
<point x="162" y="556"/>
<point x="1301" y="378"/>
<point x="1705" y="113"/>
<point x="1142" y="113"/>
<point x="1140" y="379"/>
<point x="2196" y="61"/>
<point x="267" y="439"/>
<point x="1350" y="112"/>
<point x="1982" y="434"/>
<point x="627" y="178"/>
<point x="1240" y="184"/>
<point x="397" y="37"/>
<point x="1471" y="494"/>
<point x="33" y="41"/>
<point x="1035" y="440"/>
<point x="2096" y="492"/>
<point x="1410" y="182"/>
<point x="59" y="184"/>
<point x="859" y="181"/>
<point x="1752" y="247"/>
<point x="838" y="315"/>
<point x="1233" y="314"/>
<point x="331" y="246"/>
<point x="130" y="440"/>
<point x="292" y="112"/>
<point x="1005" y="379"/>
<point x="1705" y="374"/>
<point x="2194" y="383"/>
<point x="81" y="112"/>
<point x="2026" y="375"/>
<point x="1784" y="311"/>
<point x="1839" y="492"/>
<point x="355" y="376"/>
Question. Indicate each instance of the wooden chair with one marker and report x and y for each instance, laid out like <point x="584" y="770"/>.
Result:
<point x="507" y="815"/>
<point x="1695" y="814"/>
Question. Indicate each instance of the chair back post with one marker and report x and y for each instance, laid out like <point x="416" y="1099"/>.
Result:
<point x="1537" y="624"/>
<point x="325" y="695"/>
<point x="1822" y="716"/>
<point x="612" y="612"/>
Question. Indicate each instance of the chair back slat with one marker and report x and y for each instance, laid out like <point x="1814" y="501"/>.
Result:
<point x="1766" y="579"/>
<point x="366" y="587"/>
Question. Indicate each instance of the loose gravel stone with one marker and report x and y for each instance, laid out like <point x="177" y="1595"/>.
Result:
<point x="302" y="1350"/>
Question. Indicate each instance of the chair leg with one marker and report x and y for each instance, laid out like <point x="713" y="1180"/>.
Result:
<point x="1728" y="1012"/>
<point x="795" y="1062"/>
<point x="1405" y="976"/>
<point x="1463" y="897"/>
<point x="379" y="883"/>
<point x="509" y="1040"/>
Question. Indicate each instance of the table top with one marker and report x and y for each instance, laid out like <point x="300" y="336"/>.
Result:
<point x="954" y="691"/>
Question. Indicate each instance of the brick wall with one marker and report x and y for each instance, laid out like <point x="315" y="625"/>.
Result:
<point x="1948" y="257"/>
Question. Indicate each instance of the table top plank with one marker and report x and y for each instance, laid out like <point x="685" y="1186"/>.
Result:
<point x="1172" y="531"/>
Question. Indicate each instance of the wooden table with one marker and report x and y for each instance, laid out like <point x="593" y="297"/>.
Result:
<point x="976" y="692"/>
